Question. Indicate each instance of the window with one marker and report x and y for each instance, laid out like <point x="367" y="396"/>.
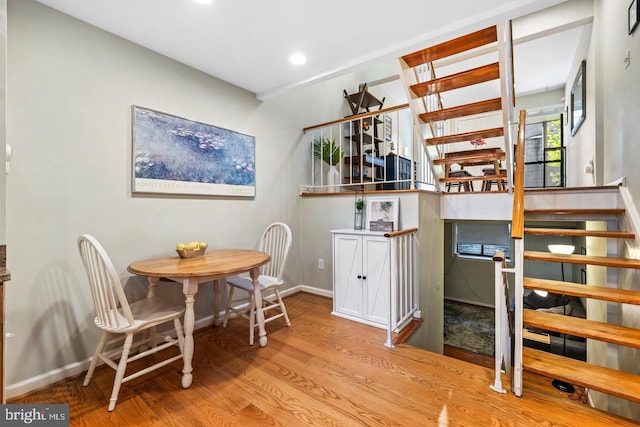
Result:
<point x="544" y="155"/>
<point x="481" y="239"/>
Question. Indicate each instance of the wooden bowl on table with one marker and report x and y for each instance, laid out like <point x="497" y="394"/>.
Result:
<point x="183" y="253"/>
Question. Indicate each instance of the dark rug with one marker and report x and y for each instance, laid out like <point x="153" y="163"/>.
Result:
<point x="469" y="328"/>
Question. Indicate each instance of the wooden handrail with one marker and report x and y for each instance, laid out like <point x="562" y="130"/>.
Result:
<point x="356" y="117"/>
<point x="400" y="232"/>
<point x="517" y="224"/>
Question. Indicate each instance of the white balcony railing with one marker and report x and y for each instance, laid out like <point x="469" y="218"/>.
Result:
<point x="377" y="151"/>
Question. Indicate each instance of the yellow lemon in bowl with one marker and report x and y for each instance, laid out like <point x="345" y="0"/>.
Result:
<point x="202" y="245"/>
<point x="180" y="246"/>
<point x="191" y="246"/>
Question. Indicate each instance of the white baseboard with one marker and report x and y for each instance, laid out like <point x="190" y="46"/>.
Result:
<point x="76" y="368"/>
<point x="47" y="378"/>
<point x="464" y="301"/>
<point x="309" y="290"/>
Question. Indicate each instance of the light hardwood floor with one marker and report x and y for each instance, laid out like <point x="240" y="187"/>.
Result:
<point x="322" y="371"/>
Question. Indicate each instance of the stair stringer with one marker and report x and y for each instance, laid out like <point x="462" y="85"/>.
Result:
<point x="409" y="77"/>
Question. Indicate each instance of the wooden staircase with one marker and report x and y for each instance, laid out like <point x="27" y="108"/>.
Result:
<point x="425" y="91"/>
<point x="591" y="376"/>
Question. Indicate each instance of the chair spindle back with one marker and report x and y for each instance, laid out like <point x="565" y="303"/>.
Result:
<point x="109" y="299"/>
<point x="276" y="241"/>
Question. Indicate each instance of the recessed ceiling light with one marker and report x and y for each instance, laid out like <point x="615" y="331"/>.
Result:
<point x="203" y="1"/>
<point x="297" y="58"/>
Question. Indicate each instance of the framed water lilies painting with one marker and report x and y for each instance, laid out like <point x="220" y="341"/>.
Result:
<point x="174" y="155"/>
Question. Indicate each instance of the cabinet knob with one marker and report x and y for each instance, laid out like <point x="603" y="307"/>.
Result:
<point x="364" y="277"/>
<point x="359" y="276"/>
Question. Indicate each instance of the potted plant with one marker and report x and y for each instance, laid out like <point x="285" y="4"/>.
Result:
<point x="327" y="150"/>
<point x="358" y="219"/>
<point x="331" y="153"/>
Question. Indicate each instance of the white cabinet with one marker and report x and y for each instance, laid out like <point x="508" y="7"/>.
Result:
<point x="361" y="276"/>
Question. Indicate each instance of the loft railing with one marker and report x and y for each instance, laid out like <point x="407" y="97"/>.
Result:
<point x="403" y="289"/>
<point x="504" y="331"/>
<point x="379" y="150"/>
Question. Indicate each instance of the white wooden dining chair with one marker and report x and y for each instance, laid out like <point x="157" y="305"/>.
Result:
<point x="276" y="241"/>
<point x="116" y="316"/>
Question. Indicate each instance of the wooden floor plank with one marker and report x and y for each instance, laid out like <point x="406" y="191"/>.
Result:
<point x="323" y="370"/>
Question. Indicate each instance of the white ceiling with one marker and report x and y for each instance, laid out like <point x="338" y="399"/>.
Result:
<point x="248" y="42"/>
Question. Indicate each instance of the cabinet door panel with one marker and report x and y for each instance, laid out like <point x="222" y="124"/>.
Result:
<point x="376" y="265"/>
<point x="347" y="266"/>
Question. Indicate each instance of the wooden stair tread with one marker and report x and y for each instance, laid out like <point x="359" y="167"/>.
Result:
<point x="584" y="190"/>
<point x="624" y="296"/>
<point x="585" y="328"/>
<point x="469" y="158"/>
<point x="456" y="81"/>
<point x="579" y="232"/>
<point x="583" y="259"/>
<point x="463" y="110"/>
<point x="573" y="211"/>
<point x="594" y="377"/>
<point x="466" y="136"/>
<point x="452" y="47"/>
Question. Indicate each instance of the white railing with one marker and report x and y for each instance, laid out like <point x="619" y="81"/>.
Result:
<point x="403" y="298"/>
<point x="503" y="322"/>
<point x="517" y="236"/>
<point x="379" y="151"/>
<point x="517" y="321"/>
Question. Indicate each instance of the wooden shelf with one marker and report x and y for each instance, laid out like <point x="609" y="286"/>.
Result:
<point x="363" y="137"/>
<point x="365" y="159"/>
<point x="364" y="162"/>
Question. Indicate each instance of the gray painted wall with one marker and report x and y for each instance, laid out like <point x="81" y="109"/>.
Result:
<point x="71" y="89"/>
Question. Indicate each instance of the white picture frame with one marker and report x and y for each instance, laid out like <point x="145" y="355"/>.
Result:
<point x="383" y="209"/>
<point x="388" y="123"/>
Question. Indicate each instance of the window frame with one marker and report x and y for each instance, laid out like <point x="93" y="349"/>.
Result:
<point x="545" y="149"/>
<point x="482" y="243"/>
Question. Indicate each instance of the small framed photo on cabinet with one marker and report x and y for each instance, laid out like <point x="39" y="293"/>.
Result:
<point x="382" y="213"/>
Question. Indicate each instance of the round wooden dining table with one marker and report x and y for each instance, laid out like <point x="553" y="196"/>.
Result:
<point x="191" y="272"/>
